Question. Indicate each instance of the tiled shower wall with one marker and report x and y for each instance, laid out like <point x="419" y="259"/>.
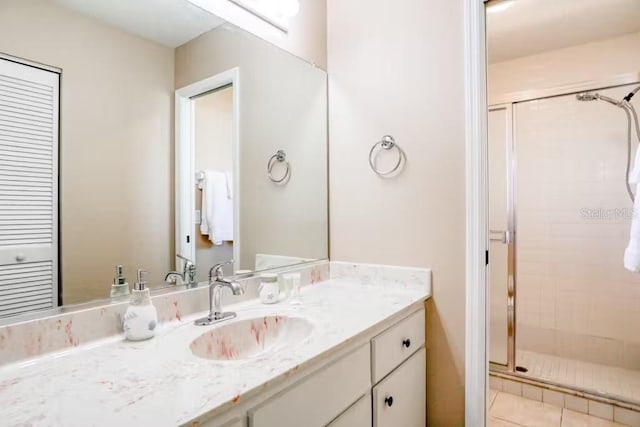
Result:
<point x="575" y="299"/>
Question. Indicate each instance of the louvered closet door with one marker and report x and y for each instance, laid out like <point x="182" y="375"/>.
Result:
<point x="28" y="188"/>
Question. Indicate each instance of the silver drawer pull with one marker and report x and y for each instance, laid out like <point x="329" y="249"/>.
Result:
<point x="21" y="257"/>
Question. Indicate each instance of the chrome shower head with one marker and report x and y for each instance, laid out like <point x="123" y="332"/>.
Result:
<point x="587" y="96"/>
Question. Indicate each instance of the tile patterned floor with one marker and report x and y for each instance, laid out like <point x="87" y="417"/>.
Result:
<point x="508" y="410"/>
<point x="619" y="382"/>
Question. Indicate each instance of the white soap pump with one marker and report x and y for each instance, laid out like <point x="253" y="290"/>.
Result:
<point x="141" y="318"/>
<point x="120" y="286"/>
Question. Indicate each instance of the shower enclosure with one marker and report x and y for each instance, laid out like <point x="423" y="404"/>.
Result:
<point x="563" y="309"/>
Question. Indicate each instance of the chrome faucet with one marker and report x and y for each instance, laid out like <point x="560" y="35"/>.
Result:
<point x="188" y="275"/>
<point x="216" y="284"/>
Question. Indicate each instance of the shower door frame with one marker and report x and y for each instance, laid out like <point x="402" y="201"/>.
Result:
<point x="509" y="234"/>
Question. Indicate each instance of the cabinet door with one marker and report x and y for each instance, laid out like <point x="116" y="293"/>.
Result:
<point x="358" y="415"/>
<point x="319" y="398"/>
<point x="400" y="399"/>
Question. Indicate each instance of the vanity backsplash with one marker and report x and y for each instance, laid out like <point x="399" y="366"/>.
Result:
<point x="57" y="333"/>
<point x="382" y="275"/>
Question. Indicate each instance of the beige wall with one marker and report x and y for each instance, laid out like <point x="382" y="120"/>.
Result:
<point x="307" y="34"/>
<point x="283" y="105"/>
<point x="213" y="131"/>
<point x="588" y="62"/>
<point x="399" y="71"/>
<point x="115" y="146"/>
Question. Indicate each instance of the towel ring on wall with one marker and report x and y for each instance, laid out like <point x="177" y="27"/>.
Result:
<point x="279" y="157"/>
<point x="387" y="143"/>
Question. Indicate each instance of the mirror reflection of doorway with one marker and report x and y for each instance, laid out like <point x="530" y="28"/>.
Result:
<point x="207" y="173"/>
<point x="213" y="163"/>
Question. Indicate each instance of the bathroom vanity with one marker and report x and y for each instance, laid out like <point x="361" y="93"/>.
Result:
<point x="398" y="399"/>
<point x="381" y="380"/>
<point x="351" y="354"/>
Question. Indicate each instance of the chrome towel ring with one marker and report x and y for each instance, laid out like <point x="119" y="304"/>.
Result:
<point x="279" y="157"/>
<point x="387" y="143"/>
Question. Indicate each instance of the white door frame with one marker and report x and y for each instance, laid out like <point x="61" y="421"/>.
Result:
<point x="185" y="162"/>
<point x="476" y="357"/>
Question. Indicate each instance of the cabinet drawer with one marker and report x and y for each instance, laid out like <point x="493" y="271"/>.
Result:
<point x="396" y="344"/>
<point x="400" y="399"/>
<point x="358" y="415"/>
<point x="319" y="398"/>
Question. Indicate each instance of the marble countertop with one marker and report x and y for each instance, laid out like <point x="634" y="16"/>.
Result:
<point x="160" y="382"/>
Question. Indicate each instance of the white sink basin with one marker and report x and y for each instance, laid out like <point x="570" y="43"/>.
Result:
<point x="245" y="339"/>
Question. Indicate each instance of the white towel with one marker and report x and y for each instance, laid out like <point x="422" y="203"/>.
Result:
<point x="217" y="207"/>
<point x="632" y="253"/>
<point x="229" y="184"/>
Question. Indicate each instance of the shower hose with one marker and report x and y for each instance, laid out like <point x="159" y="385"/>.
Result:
<point x="626" y="105"/>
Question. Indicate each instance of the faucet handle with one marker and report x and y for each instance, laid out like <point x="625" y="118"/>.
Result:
<point x="186" y="260"/>
<point x="189" y="268"/>
<point x="217" y="269"/>
<point x="191" y="273"/>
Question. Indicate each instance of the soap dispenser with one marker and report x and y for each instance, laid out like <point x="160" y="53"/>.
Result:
<point x="141" y="317"/>
<point x="120" y="286"/>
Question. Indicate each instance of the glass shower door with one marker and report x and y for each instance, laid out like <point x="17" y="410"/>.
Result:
<point x="501" y="247"/>
<point x="578" y="307"/>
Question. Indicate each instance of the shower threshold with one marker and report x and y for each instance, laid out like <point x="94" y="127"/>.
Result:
<point x="602" y="382"/>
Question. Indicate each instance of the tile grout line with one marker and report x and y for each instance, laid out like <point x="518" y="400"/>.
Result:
<point x="509" y="421"/>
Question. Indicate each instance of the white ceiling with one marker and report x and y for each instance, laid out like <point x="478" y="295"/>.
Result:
<point x="168" y="22"/>
<point x="517" y="28"/>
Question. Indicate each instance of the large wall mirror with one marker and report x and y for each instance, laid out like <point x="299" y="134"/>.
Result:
<point x="150" y="137"/>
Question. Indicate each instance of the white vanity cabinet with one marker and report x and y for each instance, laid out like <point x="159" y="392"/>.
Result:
<point x="380" y="382"/>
